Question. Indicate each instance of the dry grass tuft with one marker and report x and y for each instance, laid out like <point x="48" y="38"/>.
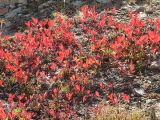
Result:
<point x="118" y="113"/>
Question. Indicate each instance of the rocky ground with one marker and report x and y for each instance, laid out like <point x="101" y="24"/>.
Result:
<point x="144" y="88"/>
<point x="14" y="14"/>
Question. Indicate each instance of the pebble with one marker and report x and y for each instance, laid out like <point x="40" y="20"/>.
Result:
<point x="157" y="110"/>
<point x="2" y="5"/>
<point x="155" y="65"/>
<point x="103" y="1"/>
<point x="142" y="15"/>
<point x="77" y="3"/>
<point x="12" y="6"/>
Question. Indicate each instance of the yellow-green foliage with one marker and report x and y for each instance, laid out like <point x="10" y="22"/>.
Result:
<point x="56" y="14"/>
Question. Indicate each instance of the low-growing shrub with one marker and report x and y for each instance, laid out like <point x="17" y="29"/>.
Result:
<point x="57" y="59"/>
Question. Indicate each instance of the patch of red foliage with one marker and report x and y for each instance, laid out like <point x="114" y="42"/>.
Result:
<point x="49" y="53"/>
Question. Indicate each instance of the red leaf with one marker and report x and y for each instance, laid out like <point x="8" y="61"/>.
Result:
<point x="85" y="79"/>
<point x="54" y="90"/>
<point x="11" y="96"/>
<point x="84" y="98"/>
<point x="101" y="84"/>
<point x="28" y="24"/>
<point x="110" y="96"/>
<point x="61" y="47"/>
<point x="42" y="74"/>
<point x="50" y="23"/>
<point x="115" y="100"/>
<point x="53" y="66"/>
<point x="97" y="93"/>
<point x="92" y="38"/>
<point x="1" y="82"/>
<point x="78" y="88"/>
<point x="69" y="95"/>
<point x="85" y="11"/>
<point x="125" y="97"/>
<point x="35" y="20"/>
<point x="131" y="68"/>
<point x="82" y="88"/>
<point x="88" y="92"/>
<point x="37" y="73"/>
<point x="114" y="10"/>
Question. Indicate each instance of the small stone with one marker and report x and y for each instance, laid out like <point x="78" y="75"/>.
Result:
<point x="6" y="105"/>
<point x="149" y="11"/>
<point x="155" y="65"/>
<point x="12" y="6"/>
<point x="19" y="15"/>
<point x="77" y="3"/>
<point x="67" y="1"/>
<point x="142" y="15"/>
<point x="40" y="7"/>
<point x="157" y="110"/>
<point x="22" y="1"/>
<point x="20" y="5"/>
<point x="140" y="9"/>
<point x="126" y="7"/>
<point x="2" y="5"/>
<point x="139" y="91"/>
<point x="42" y="11"/>
<point x="158" y="55"/>
<point x="44" y="5"/>
<point x="148" y="101"/>
<point x="50" y="2"/>
<point x="103" y="1"/>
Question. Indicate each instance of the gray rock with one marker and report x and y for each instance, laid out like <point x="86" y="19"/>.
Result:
<point x="44" y="5"/>
<point x="22" y="1"/>
<point x="157" y="108"/>
<point x="50" y="1"/>
<point x="13" y="13"/>
<point x="20" y="5"/>
<point x="103" y="1"/>
<point x="158" y="55"/>
<point x="6" y="105"/>
<point x="2" y="5"/>
<point x="142" y="15"/>
<point x="12" y="6"/>
<point x="139" y="91"/>
<point x="20" y="15"/>
<point x="27" y="15"/>
<point x="77" y="3"/>
<point x="149" y="101"/>
<point x="155" y="65"/>
<point x="40" y="7"/>
<point x="42" y="11"/>
<point x="126" y="7"/>
<point x="67" y="1"/>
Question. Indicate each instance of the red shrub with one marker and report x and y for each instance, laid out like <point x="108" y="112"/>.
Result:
<point x="50" y="54"/>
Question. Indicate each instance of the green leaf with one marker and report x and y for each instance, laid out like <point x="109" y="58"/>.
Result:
<point x="13" y="79"/>
<point x="18" y="110"/>
<point x="7" y="118"/>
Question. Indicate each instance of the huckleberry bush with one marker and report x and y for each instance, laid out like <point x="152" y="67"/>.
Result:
<point x="56" y="68"/>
